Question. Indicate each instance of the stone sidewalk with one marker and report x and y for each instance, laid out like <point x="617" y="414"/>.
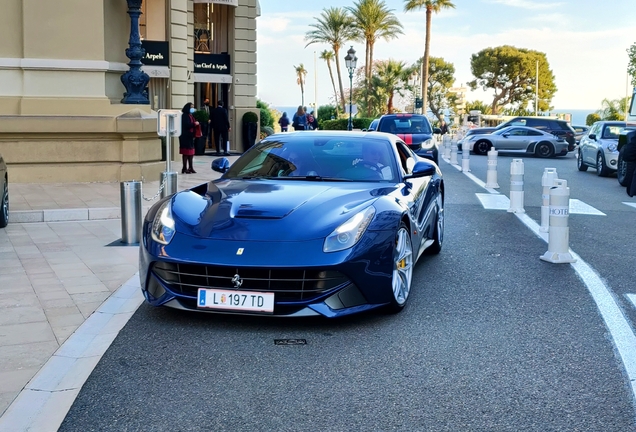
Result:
<point x="60" y="259"/>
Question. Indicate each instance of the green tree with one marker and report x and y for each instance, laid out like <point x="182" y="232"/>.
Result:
<point x="326" y="112"/>
<point x="328" y="56"/>
<point x="301" y="74"/>
<point x="392" y="77"/>
<point x="592" y="118"/>
<point x="430" y="6"/>
<point x="267" y="114"/>
<point x="631" y="66"/>
<point x="441" y="76"/>
<point x="511" y="73"/>
<point x="613" y="109"/>
<point x="334" y="27"/>
<point x="373" y="21"/>
<point x="478" y="106"/>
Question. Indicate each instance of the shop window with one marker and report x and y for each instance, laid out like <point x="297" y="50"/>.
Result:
<point x="152" y="22"/>
<point x="211" y="28"/>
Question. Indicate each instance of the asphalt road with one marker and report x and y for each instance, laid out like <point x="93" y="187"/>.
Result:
<point x="492" y="339"/>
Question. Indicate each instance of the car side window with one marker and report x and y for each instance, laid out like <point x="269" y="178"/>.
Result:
<point x="534" y="133"/>
<point x="534" y="123"/>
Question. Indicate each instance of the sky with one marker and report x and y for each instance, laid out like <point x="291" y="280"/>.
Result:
<point x="585" y="42"/>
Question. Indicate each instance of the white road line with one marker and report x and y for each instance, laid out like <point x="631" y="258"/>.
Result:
<point x="631" y="204"/>
<point x="494" y="202"/>
<point x="579" y="207"/>
<point x="618" y="326"/>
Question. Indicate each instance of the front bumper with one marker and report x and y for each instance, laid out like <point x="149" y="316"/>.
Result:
<point x="305" y="281"/>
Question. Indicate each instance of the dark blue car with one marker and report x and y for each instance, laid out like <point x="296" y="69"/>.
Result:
<point x="304" y="223"/>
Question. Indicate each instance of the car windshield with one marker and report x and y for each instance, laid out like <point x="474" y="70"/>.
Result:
<point x="406" y="125"/>
<point x="318" y="159"/>
<point x="612" y="131"/>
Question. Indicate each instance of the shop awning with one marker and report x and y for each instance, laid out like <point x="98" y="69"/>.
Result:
<point x="223" y="2"/>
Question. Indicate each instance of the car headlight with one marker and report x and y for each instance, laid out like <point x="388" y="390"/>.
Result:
<point x="348" y="234"/>
<point x="612" y="147"/>
<point x="428" y="144"/>
<point x="163" y="225"/>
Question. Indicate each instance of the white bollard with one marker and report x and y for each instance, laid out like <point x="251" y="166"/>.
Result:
<point x="547" y="181"/>
<point x="447" y="148"/>
<point x="516" y="186"/>
<point x="559" y="232"/>
<point x="491" y="174"/>
<point x="465" y="159"/>
<point x="453" y="158"/>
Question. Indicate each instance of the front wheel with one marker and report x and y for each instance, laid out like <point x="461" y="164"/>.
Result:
<point x="481" y="148"/>
<point x="4" y="205"/>
<point x="601" y="169"/>
<point x="579" y="162"/>
<point x="402" y="269"/>
<point x="625" y="170"/>
<point x="544" y="150"/>
<point x="438" y="233"/>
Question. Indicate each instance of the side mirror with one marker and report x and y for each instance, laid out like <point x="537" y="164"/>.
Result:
<point x="506" y="135"/>
<point x="221" y="165"/>
<point x="422" y="169"/>
<point x="593" y="136"/>
<point x="437" y="131"/>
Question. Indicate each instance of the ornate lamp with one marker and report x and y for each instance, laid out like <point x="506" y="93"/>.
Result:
<point x="135" y="80"/>
<point x="350" y="61"/>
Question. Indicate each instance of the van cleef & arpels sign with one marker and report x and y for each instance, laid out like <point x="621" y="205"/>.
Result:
<point x="212" y="63"/>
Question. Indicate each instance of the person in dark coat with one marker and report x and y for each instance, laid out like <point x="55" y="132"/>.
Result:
<point x="284" y="122"/>
<point x="207" y="128"/>
<point x="221" y="125"/>
<point x="443" y="127"/>
<point x="186" y="140"/>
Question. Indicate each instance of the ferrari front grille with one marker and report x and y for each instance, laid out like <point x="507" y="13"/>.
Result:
<point x="288" y="284"/>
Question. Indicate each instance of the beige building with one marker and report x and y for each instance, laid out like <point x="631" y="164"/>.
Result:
<point x="61" y="113"/>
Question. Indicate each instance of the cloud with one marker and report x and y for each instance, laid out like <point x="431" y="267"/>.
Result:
<point x="275" y="25"/>
<point x="525" y="4"/>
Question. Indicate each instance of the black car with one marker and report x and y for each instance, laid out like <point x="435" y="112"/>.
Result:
<point x="415" y="130"/>
<point x="4" y="198"/>
<point x="557" y="127"/>
<point x="625" y="169"/>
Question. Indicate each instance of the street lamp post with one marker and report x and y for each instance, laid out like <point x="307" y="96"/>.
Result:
<point x="350" y="62"/>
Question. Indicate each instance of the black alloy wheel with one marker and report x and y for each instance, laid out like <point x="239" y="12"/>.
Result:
<point x="481" y="147"/>
<point x="544" y="150"/>
<point x="4" y="205"/>
<point x="579" y="161"/>
<point x="601" y="168"/>
<point x="625" y="170"/>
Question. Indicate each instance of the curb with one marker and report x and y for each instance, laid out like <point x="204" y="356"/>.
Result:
<point x="67" y="215"/>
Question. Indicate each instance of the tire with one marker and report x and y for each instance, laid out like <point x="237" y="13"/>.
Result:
<point x="601" y="169"/>
<point x="4" y="205"/>
<point x="625" y="170"/>
<point x="544" y="150"/>
<point x="438" y="234"/>
<point x="481" y="147"/>
<point x="402" y="271"/>
<point x="579" y="162"/>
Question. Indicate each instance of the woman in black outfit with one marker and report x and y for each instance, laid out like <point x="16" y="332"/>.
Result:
<point x="186" y="140"/>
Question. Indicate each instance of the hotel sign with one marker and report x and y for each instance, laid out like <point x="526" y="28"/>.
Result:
<point x="223" y="2"/>
<point x="212" y="63"/>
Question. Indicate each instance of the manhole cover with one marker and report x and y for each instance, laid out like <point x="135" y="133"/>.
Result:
<point x="290" y="342"/>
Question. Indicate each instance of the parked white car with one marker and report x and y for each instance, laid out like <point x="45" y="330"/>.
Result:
<point x="599" y="147"/>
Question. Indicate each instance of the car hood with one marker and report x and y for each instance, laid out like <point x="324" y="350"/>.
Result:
<point x="266" y="210"/>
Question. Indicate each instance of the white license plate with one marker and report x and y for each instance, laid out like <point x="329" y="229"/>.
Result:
<point x="235" y="300"/>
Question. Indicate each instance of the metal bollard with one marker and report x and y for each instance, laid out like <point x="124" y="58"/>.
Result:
<point x="465" y="159"/>
<point x="516" y="186"/>
<point x="130" y="194"/>
<point x="171" y="183"/>
<point x="547" y="181"/>
<point x="447" y="148"/>
<point x="559" y="232"/>
<point x="491" y="174"/>
<point x="453" y="157"/>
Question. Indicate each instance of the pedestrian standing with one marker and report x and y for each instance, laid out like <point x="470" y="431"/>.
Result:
<point x="221" y="126"/>
<point x="299" y="121"/>
<point x="207" y="129"/>
<point x="443" y="127"/>
<point x="186" y="139"/>
<point x="283" y="122"/>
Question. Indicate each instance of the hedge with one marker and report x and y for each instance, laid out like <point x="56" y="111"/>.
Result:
<point x="343" y="123"/>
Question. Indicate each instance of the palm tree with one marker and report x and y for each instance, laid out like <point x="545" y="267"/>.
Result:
<point x="334" y="27"/>
<point x="430" y="6"/>
<point x="612" y="109"/>
<point x="328" y="56"/>
<point x="392" y="76"/>
<point x="373" y="20"/>
<point x="301" y="73"/>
